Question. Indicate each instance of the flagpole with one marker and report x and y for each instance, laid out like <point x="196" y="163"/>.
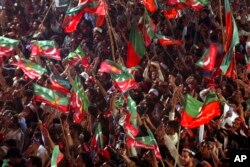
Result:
<point x="109" y="30"/>
<point x="47" y="12"/>
<point x="63" y="132"/>
<point x="221" y="23"/>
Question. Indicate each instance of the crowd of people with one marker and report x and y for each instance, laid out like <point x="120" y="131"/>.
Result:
<point x="29" y="131"/>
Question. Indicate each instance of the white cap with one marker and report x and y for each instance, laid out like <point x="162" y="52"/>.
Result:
<point x="154" y="91"/>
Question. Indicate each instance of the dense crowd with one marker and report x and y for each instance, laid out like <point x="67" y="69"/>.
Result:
<point x="29" y="130"/>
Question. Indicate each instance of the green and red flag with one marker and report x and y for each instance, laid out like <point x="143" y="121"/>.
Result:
<point x="130" y="125"/>
<point x="51" y="98"/>
<point x="57" y="83"/>
<point x="247" y="59"/>
<point x="147" y="142"/>
<point x="109" y="66"/>
<point x="174" y="2"/>
<point x="149" y="29"/>
<point x="79" y="101"/>
<point x="122" y="78"/>
<point x="172" y="13"/>
<point x="208" y="59"/>
<point x="7" y="46"/>
<point x="139" y="142"/>
<point x="97" y="139"/>
<point x="150" y="5"/>
<point x="57" y="156"/>
<point x="45" y="48"/>
<point x="31" y="69"/>
<point x="132" y="109"/>
<point x="196" y="4"/>
<point x="164" y="41"/>
<point x="228" y="65"/>
<point x="74" y="15"/>
<point x="196" y="113"/>
<point x="76" y="56"/>
<point x="136" y="48"/>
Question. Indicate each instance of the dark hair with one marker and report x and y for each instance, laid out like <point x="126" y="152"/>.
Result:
<point x="86" y="158"/>
<point x="174" y="124"/>
<point x="13" y="152"/>
<point x="36" y="161"/>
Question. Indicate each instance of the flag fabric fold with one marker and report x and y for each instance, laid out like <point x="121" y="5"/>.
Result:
<point x="120" y="75"/>
<point x="31" y="69"/>
<point x="51" y="98"/>
<point x="57" y="156"/>
<point x="136" y="48"/>
<point x="45" y="48"/>
<point x="7" y="46"/>
<point x="228" y="64"/>
<point x="164" y="41"/>
<point x="149" y="29"/>
<point x="208" y="59"/>
<point x="74" y="15"/>
<point x="150" y="5"/>
<point x="59" y="84"/>
<point x="77" y="56"/>
<point x="196" y="113"/>
<point x="172" y="13"/>
<point x="79" y="101"/>
<point x="97" y="142"/>
<point x="146" y="142"/>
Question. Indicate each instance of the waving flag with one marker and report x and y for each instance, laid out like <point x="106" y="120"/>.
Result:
<point x="57" y="156"/>
<point x="150" y="5"/>
<point x="149" y="29"/>
<point x="75" y="57"/>
<point x="197" y="113"/>
<point x="147" y="142"/>
<point x="123" y="80"/>
<point x="7" y="46"/>
<point x="57" y="83"/>
<point x="97" y="139"/>
<point x="51" y="98"/>
<point x="74" y="15"/>
<point x="208" y="59"/>
<point x="164" y="41"/>
<point x="194" y="4"/>
<point x="79" y="101"/>
<point x="46" y="49"/>
<point x="136" y="48"/>
<point x="31" y="69"/>
<point x="228" y="65"/>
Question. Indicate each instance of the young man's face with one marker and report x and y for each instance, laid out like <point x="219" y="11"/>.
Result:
<point x="185" y="159"/>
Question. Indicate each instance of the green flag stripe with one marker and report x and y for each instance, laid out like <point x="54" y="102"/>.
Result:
<point x="137" y="42"/>
<point x="34" y="66"/>
<point x="8" y="42"/>
<point x="50" y="95"/>
<point x="192" y="106"/>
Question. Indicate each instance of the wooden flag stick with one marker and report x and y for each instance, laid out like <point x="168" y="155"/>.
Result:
<point x="109" y="30"/>
<point x="47" y="11"/>
<point x="221" y="23"/>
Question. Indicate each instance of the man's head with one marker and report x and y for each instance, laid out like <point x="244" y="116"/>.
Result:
<point x="187" y="157"/>
<point x="83" y="159"/>
<point x="34" y="162"/>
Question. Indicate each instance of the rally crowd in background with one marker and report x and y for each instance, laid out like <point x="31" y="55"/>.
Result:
<point x="36" y="134"/>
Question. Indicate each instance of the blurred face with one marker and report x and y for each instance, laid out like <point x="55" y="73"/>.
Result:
<point x="185" y="159"/>
<point x="204" y="148"/>
<point x="236" y="124"/>
<point x="79" y="162"/>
